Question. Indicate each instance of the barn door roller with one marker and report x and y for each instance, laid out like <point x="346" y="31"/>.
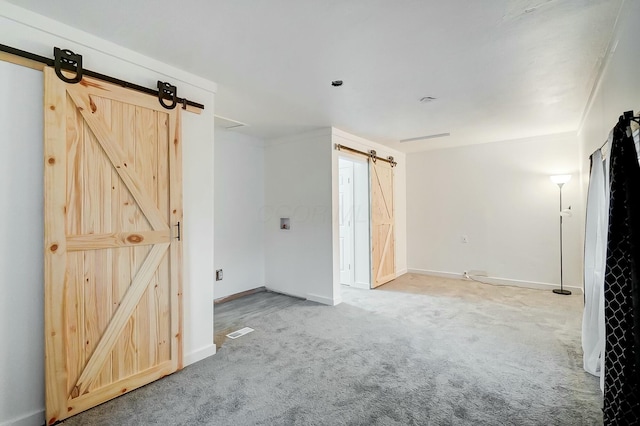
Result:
<point x="67" y="60"/>
<point x="168" y="91"/>
<point x="71" y="61"/>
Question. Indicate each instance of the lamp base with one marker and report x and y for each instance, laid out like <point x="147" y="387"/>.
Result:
<point x="560" y="291"/>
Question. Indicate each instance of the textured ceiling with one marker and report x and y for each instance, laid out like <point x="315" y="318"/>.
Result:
<point x="499" y="69"/>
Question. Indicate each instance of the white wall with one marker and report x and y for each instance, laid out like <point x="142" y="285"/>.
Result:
<point x="239" y="202"/>
<point x="617" y="89"/>
<point x="21" y="230"/>
<point x="31" y="32"/>
<point x="400" y="194"/>
<point x="500" y="196"/>
<point x="298" y="185"/>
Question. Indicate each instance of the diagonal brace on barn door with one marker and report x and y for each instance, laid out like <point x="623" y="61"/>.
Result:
<point x="120" y="318"/>
<point x="384" y="198"/>
<point x="116" y="156"/>
<point x="385" y="250"/>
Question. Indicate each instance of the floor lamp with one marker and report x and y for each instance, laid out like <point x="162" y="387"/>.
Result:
<point x="560" y="180"/>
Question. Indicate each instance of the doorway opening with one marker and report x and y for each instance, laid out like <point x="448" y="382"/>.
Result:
<point x="354" y="221"/>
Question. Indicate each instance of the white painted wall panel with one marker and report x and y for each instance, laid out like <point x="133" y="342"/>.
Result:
<point x="500" y="196"/>
<point x="298" y="185"/>
<point x="615" y="91"/>
<point x="239" y="206"/>
<point x="21" y="251"/>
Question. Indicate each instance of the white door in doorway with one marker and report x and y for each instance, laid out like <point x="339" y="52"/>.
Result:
<point x="347" y="270"/>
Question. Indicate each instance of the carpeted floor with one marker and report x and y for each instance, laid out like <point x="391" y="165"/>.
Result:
<point x="418" y="351"/>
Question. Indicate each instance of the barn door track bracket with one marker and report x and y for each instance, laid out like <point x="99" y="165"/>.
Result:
<point x="371" y="154"/>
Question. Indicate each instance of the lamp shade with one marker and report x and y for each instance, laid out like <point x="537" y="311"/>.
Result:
<point x="560" y="179"/>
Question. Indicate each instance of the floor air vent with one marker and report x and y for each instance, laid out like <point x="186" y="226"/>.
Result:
<point x="239" y="333"/>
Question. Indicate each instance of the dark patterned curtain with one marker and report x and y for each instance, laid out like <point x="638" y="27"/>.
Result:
<point x="622" y="285"/>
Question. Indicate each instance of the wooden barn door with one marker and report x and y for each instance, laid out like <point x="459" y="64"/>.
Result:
<point x="113" y="201"/>
<point x="383" y="261"/>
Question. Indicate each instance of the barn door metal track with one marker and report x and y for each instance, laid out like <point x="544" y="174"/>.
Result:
<point x="372" y="154"/>
<point x="67" y="60"/>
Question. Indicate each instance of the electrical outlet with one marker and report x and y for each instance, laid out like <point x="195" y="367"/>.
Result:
<point x="218" y="274"/>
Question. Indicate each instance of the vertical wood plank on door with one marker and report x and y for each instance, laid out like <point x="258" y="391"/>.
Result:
<point x="132" y="218"/>
<point x="74" y="316"/>
<point x="152" y="179"/>
<point x="146" y="169"/>
<point x="75" y="340"/>
<point x="123" y="217"/>
<point x="54" y="245"/>
<point x="163" y="289"/>
<point x="90" y="225"/>
<point x="103" y="258"/>
<point x="175" y="197"/>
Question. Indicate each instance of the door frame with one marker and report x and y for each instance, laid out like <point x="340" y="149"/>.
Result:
<point x="358" y="248"/>
<point x="350" y="239"/>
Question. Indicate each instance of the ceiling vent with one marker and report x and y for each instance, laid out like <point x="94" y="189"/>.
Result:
<point x="226" y="123"/>
<point x="424" y="138"/>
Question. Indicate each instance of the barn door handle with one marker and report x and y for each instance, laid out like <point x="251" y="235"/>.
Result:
<point x="178" y="225"/>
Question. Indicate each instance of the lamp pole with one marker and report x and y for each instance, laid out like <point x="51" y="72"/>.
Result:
<point x="561" y="290"/>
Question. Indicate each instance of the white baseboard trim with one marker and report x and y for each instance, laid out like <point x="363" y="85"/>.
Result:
<point x="401" y="272"/>
<point x="361" y="284"/>
<point x="35" y="418"/>
<point x="312" y="297"/>
<point x="273" y="290"/>
<point x="199" y="355"/>
<point x="497" y="281"/>
<point x="324" y="300"/>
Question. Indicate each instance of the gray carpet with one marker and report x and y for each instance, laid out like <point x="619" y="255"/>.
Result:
<point x="419" y="351"/>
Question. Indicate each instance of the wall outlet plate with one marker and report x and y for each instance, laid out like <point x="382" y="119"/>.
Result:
<point x="218" y="274"/>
